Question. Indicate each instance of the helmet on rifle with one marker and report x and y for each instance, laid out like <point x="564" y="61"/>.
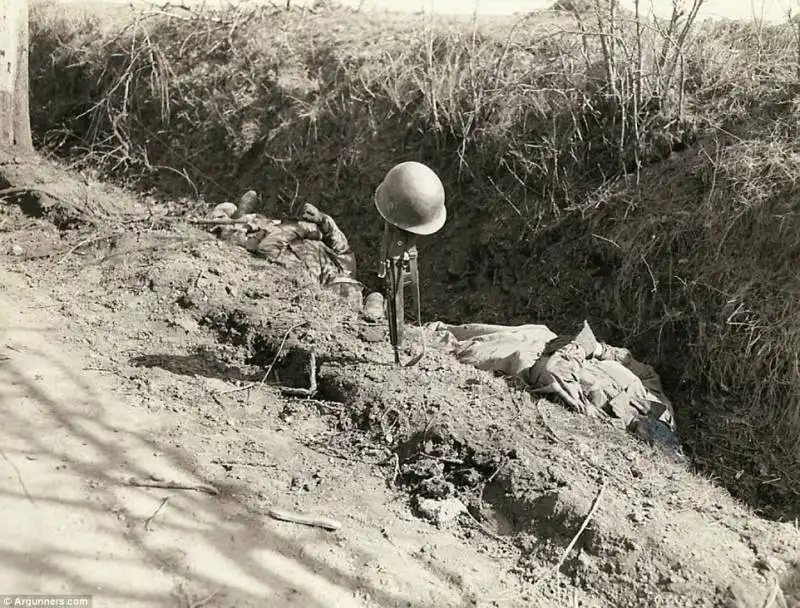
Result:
<point x="411" y="197"/>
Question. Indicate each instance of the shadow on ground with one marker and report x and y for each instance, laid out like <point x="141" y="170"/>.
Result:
<point x="201" y="363"/>
<point x="75" y="525"/>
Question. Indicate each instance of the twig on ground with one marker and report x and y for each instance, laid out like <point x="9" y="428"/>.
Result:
<point x="83" y="243"/>
<point x="333" y="453"/>
<point x="280" y="349"/>
<point x="218" y="222"/>
<point x="174" y="485"/>
<point x="396" y="473"/>
<point x="217" y="401"/>
<point x="237" y="389"/>
<point x="196" y="281"/>
<point x="490" y="479"/>
<point x="773" y="594"/>
<point x="323" y="404"/>
<point x="150" y="519"/>
<point x="190" y="603"/>
<point x="19" y="475"/>
<point x="326" y="523"/>
<point x="204" y="601"/>
<point x="244" y="463"/>
<point x="573" y="542"/>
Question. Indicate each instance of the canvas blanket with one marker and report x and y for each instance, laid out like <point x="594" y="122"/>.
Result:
<point x="590" y="376"/>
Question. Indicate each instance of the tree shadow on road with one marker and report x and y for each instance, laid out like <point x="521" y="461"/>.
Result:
<point x="54" y="428"/>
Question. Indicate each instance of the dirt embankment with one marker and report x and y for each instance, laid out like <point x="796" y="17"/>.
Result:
<point x="184" y="316"/>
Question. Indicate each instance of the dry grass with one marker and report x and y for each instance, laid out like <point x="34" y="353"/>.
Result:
<point x="552" y="134"/>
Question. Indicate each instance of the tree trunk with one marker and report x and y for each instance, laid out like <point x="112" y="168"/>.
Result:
<point x="38" y="188"/>
<point x="15" y="126"/>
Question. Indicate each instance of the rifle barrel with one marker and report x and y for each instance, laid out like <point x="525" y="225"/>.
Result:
<point x="218" y="222"/>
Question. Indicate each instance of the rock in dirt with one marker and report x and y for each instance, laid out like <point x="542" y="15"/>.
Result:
<point x="16" y="250"/>
<point x="440" y="512"/>
<point x="374" y="307"/>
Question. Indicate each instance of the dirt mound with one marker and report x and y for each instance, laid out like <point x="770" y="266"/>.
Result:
<point x="87" y="411"/>
<point x="457" y="432"/>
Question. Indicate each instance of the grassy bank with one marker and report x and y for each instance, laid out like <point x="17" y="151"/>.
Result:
<point x="554" y="138"/>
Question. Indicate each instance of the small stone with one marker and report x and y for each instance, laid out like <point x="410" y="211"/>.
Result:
<point x="17" y="250"/>
<point x="637" y="517"/>
<point x="440" y="512"/>
<point x="374" y="307"/>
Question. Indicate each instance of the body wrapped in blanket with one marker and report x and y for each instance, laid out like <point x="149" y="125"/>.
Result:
<point x="591" y="377"/>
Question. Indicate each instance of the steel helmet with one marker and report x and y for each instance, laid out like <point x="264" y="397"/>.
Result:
<point x="411" y="197"/>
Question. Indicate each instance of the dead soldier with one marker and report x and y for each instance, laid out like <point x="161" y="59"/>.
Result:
<point x="311" y="242"/>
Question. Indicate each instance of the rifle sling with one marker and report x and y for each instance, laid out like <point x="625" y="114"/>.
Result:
<point x="399" y="255"/>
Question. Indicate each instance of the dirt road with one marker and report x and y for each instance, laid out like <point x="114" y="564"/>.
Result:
<point x="74" y="433"/>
